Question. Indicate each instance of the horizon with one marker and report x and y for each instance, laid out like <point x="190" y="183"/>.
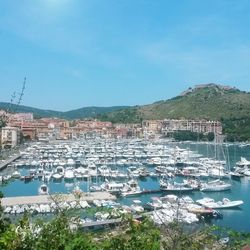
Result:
<point x="125" y="53"/>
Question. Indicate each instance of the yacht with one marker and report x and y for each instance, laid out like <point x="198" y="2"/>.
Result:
<point x="131" y="188"/>
<point x="214" y="186"/>
<point x="175" y="187"/>
<point x="225" y="203"/>
<point x="69" y="174"/>
<point x="112" y="187"/>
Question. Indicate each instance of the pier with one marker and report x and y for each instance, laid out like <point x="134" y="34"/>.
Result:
<point x="4" y="164"/>
<point x="47" y="199"/>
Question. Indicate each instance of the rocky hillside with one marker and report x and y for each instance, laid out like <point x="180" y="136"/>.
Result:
<point x="209" y="101"/>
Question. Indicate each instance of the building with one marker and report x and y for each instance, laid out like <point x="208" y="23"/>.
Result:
<point x="199" y="126"/>
<point x="10" y="137"/>
<point x="28" y="117"/>
<point x="152" y="127"/>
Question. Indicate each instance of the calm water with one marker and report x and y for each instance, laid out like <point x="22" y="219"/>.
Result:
<point x="238" y="219"/>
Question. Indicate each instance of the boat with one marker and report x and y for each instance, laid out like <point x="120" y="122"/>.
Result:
<point x="16" y="174"/>
<point x="95" y="188"/>
<point x="174" y="187"/>
<point x="215" y="186"/>
<point x="131" y="188"/>
<point x="43" y="190"/>
<point x="69" y="174"/>
<point x="112" y="187"/>
<point x="236" y="175"/>
<point x="47" y="176"/>
<point x="225" y="203"/>
<point x="143" y="172"/>
<point x="136" y="206"/>
<point x="27" y="178"/>
<point x="57" y="176"/>
<point x="156" y="203"/>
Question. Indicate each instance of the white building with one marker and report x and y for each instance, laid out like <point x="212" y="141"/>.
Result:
<point x="10" y="137"/>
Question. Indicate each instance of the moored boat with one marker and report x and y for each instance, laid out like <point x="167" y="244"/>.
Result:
<point x="215" y="186"/>
<point x="43" y="190"/>
<point x="225" y="203"/>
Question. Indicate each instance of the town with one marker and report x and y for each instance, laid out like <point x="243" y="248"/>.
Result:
<point x="22" y="127"/>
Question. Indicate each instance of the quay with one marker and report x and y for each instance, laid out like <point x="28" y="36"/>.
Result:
<point x="47" y="199"/>
<point x="4" y="164"/>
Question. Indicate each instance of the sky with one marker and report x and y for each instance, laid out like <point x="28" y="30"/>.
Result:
<point x="79" y="53"/>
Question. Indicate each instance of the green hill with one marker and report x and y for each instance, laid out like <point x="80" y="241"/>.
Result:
<point x="209" y="101"/>
<point x="38" y="113"/>
<point x="86" y="112"/>
<point x="90" y="112"/>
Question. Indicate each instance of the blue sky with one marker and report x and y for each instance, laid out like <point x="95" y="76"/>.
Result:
<point x="78" y="53"/>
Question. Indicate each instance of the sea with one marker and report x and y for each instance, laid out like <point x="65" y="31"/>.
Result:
<point x="237" y="219"/>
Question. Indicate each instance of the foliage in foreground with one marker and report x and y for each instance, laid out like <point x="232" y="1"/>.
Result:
<point x="58" y="234"/>
<point x="130" y="235"/>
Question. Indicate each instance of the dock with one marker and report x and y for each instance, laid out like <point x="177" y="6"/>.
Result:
<point x="47" y="199"/>
<point x="4" y="164"/>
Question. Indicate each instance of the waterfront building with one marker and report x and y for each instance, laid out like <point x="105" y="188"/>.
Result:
<point x="199" y="126"/>
<point x="10" y="137"/>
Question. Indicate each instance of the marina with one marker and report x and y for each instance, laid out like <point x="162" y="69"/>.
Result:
<point x="5" y="163"/>
<point x="125" y="175"/>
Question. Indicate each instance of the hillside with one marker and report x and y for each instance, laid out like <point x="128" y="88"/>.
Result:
<point x="25" y="109"/>
<point x="86" y="112"/>
<point x="210" y="101"/>
<point x="91" y="111"/>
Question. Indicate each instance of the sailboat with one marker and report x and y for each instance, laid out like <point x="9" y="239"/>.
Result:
<point x="218" y="184"/>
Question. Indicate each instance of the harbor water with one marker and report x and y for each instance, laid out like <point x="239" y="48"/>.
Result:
<point x="237" y="218"/>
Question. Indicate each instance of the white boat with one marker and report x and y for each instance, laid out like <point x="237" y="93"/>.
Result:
<point x="156" y="203"/>
<point x="43" y="190"/>
<point x="236" y="175"/>
<point x="175" y="187"/>
<point x="143" y="172"/>
<point x="47" y="176"/>
<point x="112" y="187"/>
<point x="104" y="171"/>
<point x="57" y="176"/>
<point x="225" y="203"/>
<point x="136" y="207"/>
<point x="133" y="172"/>
<point x="247" y="172"/>
<point x="95" y="188"/>
<point x="69" y="174"/>
<point x="215" y="186"/>
<point x="131" y="188"/>
<point x="16" y="174"/>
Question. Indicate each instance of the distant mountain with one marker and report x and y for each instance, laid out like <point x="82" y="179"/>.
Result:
<point x="87" y="112"/>
<point x="38" y="113"/>
<point x="208" y="101"/>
